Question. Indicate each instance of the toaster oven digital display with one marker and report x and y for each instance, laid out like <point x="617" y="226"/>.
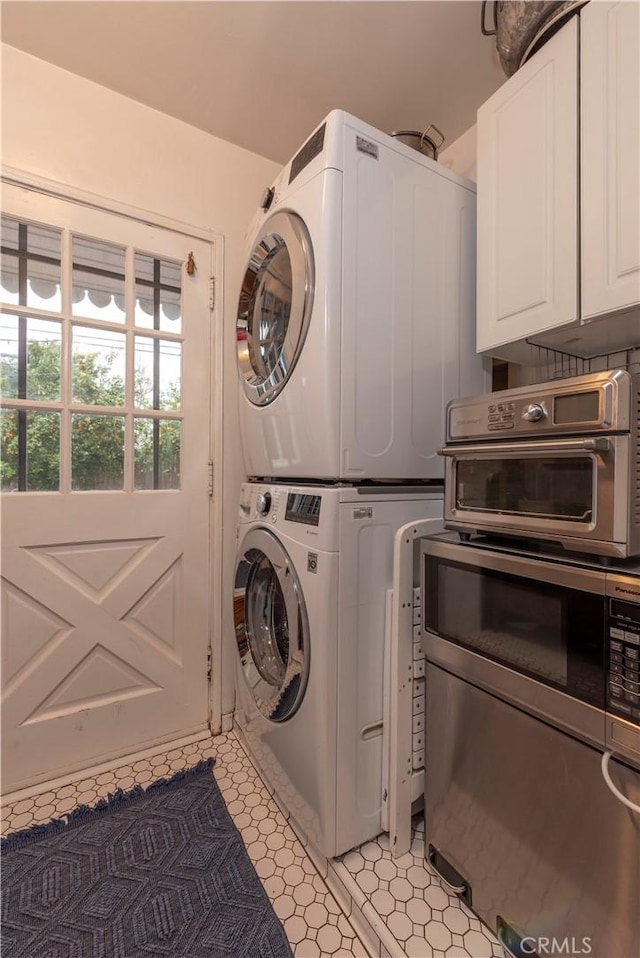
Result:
<point x="576" y="408"/>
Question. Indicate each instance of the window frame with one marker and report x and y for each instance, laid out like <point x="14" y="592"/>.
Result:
<point x="66" y="407"/>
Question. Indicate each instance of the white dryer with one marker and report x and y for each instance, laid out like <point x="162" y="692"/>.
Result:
<point x="356" y="317"/>
<point x="313" y="567"/>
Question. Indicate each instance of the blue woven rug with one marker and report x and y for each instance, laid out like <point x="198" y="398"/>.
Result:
<point x="146" y="874"/>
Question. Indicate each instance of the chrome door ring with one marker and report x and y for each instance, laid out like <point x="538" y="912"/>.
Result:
<point x="274" y="307"/>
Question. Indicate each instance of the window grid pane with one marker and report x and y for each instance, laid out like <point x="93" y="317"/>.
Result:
<point x="157" y="377"/>
<point x="98" y="280"/>
<point x="98" y="366"/>
<point x="29" y="357"/>
<point x="97" y="452"/>
<point x="30" y="451"/>
<point x="156" y="453"/>
<point x="9" y="450"/>
<point x="31" y="267"/>
<point x="158" y="294"/>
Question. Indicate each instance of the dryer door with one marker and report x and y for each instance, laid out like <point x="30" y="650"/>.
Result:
<point x="272" y="629"/>
<point x="274" y="307"/>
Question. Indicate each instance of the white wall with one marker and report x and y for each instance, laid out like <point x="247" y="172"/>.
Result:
<point x="61" y="127"/>
<point x="461" y="155"/>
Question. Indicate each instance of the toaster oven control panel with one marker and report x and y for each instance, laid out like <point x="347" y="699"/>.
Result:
<point x="500" y="415"/>
<point x="623" y="667"/>
<point x="594" y="404"/>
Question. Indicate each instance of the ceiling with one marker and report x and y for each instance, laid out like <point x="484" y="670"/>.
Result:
<point x="263" y="74"/>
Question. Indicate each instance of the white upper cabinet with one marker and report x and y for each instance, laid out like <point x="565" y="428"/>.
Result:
<point x="610" y="158"/>
<point x="527" y="197"/>
<point x="559" y="253"/>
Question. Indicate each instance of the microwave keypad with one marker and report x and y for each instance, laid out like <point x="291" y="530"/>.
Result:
<point x="624" y="672"/>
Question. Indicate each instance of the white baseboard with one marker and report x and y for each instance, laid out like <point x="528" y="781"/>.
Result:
<point x="91" y="771"/>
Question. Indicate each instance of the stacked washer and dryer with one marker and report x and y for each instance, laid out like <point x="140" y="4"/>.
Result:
<point x="355" y="328"/>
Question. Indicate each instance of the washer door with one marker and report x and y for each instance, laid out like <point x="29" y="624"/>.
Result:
<point x="272" y="629"/>
<point x="275" y="307"/>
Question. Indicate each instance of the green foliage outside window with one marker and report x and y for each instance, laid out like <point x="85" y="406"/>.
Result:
<point x="97" y="440"/>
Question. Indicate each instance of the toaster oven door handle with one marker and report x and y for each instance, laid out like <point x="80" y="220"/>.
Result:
<point x="600" y="444"/>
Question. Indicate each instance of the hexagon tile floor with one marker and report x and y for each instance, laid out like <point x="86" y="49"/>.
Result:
<point x="363" y="904"/>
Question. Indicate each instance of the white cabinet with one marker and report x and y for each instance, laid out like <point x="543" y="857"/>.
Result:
<point x="610" y="157"/>
<point x="527" y="197"/>
<point x="559" y="252"/>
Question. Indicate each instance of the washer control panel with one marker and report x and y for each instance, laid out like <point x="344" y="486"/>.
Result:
<point x="263" y="503"/>
<point x="303" y="507"/>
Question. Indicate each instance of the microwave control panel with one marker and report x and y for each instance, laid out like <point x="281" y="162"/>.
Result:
<point x="623" y="667"/>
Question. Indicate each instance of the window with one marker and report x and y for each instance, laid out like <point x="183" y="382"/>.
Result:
<point x="90" y="364"/>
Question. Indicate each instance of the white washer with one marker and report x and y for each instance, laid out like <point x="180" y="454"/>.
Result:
<point x="313" y="567"/>
<point x="356" y="318"/>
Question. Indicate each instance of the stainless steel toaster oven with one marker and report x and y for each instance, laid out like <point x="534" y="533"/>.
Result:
<point x="557" y="461"/>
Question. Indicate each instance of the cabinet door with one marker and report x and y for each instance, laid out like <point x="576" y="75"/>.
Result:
<point x="527" y="197"/>
<point x="610" y="157"/>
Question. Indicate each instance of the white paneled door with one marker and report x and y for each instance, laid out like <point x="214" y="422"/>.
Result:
<point x="105" y="365"/>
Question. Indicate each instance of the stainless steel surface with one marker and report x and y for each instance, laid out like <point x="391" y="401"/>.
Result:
<point x="271" y="625"/>
<point x="274" y="307"/>
<point x="566" y="9"/>
<point x="571" y="476"/>
<point x="577" y="718"/>
<point x="522" y="812"/>
<point x="428" y="136"/>
<point x="506" y="448"/>
<point x="605" y="530"/>
<point x="456" y="889"/>
<point x="586" y="580"/>
<point x="608" y="550"/>
<point x="572" y="626"/>
<point x="468" y="418"/>
<point x="522" y="26"/>
<point x="534" y="412"/>
<point x="622" y="738"/>
<point x="542" y="552"/>
<point x="623" y="587"/>
<point x="422" y="142"/>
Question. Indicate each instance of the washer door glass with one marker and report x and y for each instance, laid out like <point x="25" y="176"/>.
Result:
<point x="271" y="626"/>
<point x="274" y="307"/>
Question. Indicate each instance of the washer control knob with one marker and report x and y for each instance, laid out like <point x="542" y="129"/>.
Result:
<point x="267" y="198"/>
<point x="534" y="412"/>
<point x="263" y="503"/>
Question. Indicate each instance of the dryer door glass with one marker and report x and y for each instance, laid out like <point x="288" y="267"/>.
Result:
<point x="271" y="626"/>
<point x="274" y="307"/>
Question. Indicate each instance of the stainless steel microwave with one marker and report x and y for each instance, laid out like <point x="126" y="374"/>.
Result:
<point x="560" y="638"/>
<point x="533" y="741"/>
<point x="558" y="461"/>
